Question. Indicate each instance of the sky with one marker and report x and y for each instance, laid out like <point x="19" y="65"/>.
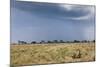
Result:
<point x="34" y="21"/>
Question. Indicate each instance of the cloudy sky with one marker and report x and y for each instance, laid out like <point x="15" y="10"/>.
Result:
<point x="32" y="21"/>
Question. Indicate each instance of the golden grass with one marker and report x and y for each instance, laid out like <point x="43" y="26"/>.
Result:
<point x="52" y="53"/>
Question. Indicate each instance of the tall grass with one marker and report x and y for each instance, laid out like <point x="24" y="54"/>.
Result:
<point x="52" y="53"/>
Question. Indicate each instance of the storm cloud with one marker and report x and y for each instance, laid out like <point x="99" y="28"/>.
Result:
<point x="49" y="21"/>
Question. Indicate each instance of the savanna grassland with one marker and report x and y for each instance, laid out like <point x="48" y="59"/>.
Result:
<point x="32" y="54"/>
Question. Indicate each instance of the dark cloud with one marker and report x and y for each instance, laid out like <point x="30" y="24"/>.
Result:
<point x="49" y="21"/>
<point x="51" y="10"/>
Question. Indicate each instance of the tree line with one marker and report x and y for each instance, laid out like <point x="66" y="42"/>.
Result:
<point x="55" y="41"/>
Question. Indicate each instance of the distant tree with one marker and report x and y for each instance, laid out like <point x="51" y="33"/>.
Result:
<point x="49" y="42"/>
<point x="25" y="42"/>
<point x="22" y="42"/>
<point x="61" y="41"/>
<point x="55" y="41"/>
<point x="93" y="41"/>
<point x="88" y="41"/>
<point x="76" y="41"/>
<point x="42" y="41"/>
<point x="84" y="41"/>
<point x="19" y="42"/>
<point x="33" y="42"/>
<point x="68" y="42"/>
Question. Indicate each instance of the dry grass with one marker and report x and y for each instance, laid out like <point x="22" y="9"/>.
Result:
<point x="52" y="53"/>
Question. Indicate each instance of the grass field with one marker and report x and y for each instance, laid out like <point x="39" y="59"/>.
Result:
<point x="52" y="53"/>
